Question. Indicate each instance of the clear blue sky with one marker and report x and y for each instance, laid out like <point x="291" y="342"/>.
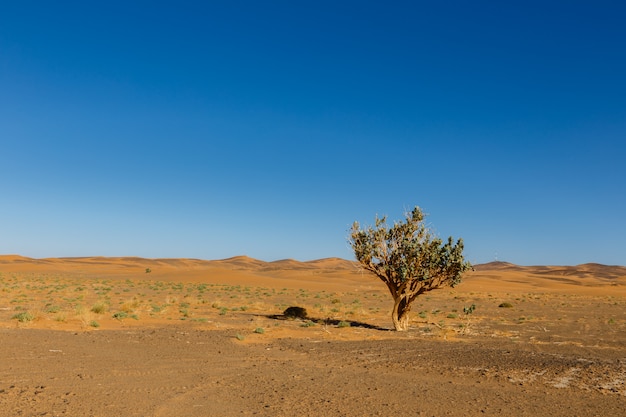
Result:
<point x="265" y="128"/>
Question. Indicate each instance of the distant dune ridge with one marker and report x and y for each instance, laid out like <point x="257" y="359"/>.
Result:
<point x="591" y="270"/>
<point x="237" y="262"/>
<point x="246" y="262"/>
<point x="321" y="273"/>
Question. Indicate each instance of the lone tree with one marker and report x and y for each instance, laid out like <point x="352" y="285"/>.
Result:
<point x="408" y="259"/>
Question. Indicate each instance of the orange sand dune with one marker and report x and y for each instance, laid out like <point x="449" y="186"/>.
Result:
<point x="322" y="273"/>
<point x="582" y="279"/>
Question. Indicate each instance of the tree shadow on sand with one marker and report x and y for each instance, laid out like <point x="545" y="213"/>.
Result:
<point x="328" y="322"/>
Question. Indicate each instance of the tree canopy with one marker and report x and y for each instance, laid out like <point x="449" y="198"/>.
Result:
<point x="409" y="259"/>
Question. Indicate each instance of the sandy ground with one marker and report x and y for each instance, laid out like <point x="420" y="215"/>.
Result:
<point x="181" y="337"/>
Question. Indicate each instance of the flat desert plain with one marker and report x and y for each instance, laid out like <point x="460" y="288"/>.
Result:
<point x="184" y="337"/>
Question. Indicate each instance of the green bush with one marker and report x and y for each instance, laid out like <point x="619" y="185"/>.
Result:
<point x="99" y="308"/>
<point x="24" y="317"/>
<point x="52" y="308"/>
<point x="120" y="315"/>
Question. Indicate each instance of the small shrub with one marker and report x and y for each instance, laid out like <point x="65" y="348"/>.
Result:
<point x="201" y="320"/>
<point x="343" y="324"/>
<point x="506" y="305"/>
<point x="24" y="317"/>
<point x="52" y="309"/>
<point x="308" y="323"/>
<point x="295" y="313"/>
<point x="240" y="337"/>
<point x="259" y="330"/>
<point x="452" y="316"/>
<point x="94" y="324"/>
<point x="130" y="305"/>
<point x="120" y="315"/>
<point x="469" y="309"/>
<point x="99" y="308"/>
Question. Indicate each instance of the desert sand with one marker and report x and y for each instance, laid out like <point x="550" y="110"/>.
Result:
<point x="185" y="337"/>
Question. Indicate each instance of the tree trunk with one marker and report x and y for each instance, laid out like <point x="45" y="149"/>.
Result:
<point x="400" y="314"/>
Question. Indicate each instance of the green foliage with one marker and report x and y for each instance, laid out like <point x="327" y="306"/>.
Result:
<point x="52" y="308"/>
<point x="120" y="315"/>
<point x="24" y="317"/>
<point x="469" y="309"/>
<point x="408" y="258"/>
